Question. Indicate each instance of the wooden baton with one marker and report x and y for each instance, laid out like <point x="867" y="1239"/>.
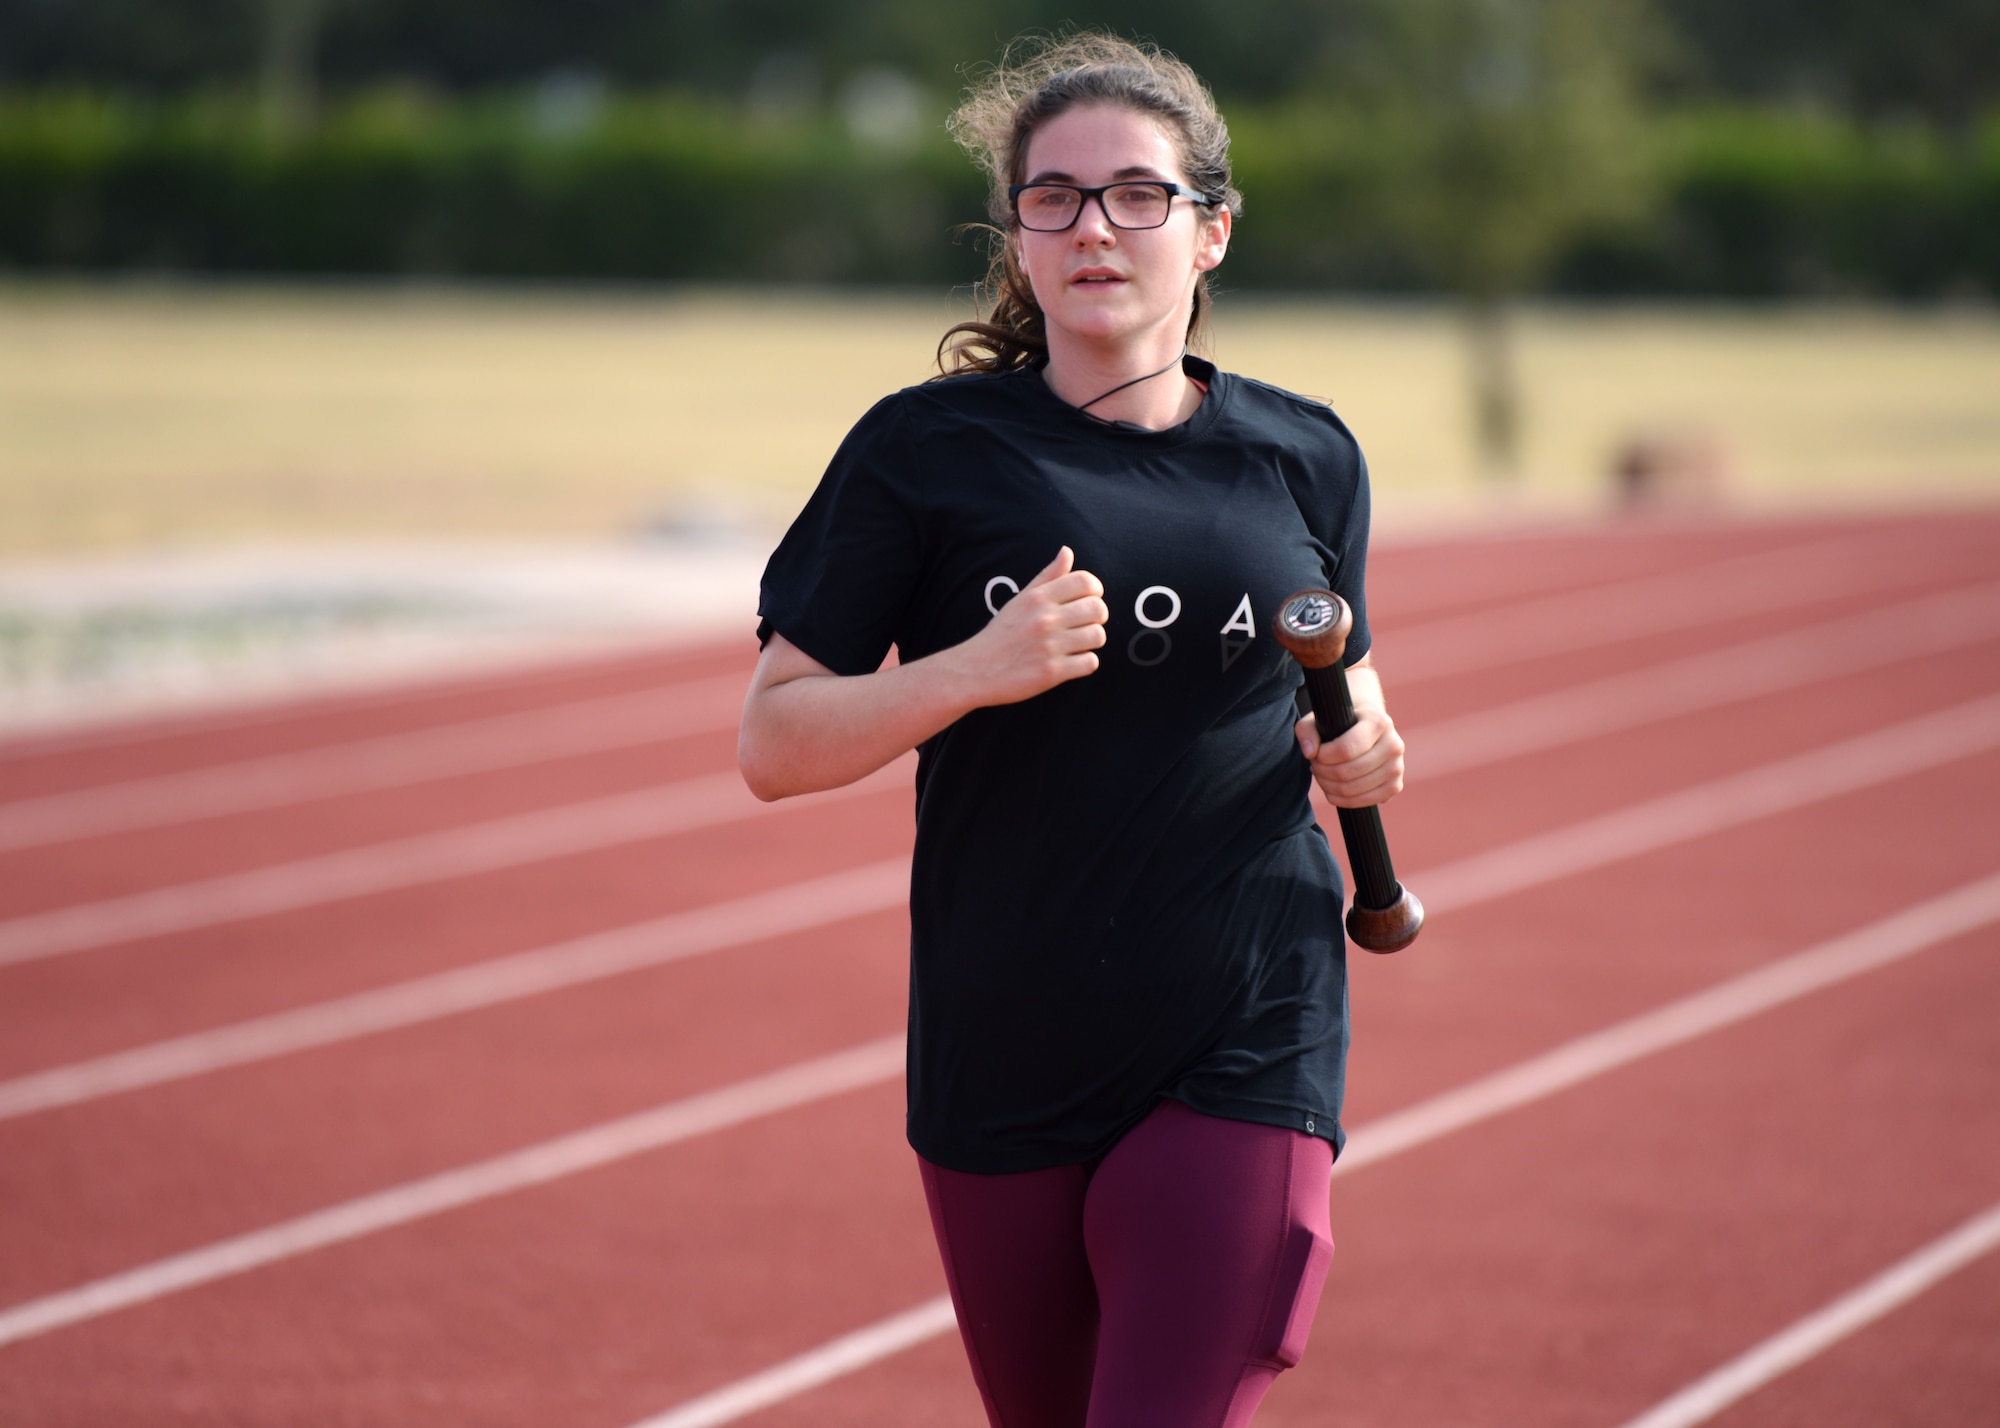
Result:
<point x="1313" y="625"/>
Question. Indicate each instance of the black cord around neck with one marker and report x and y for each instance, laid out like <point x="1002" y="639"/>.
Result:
<point x="1085" y="407"/>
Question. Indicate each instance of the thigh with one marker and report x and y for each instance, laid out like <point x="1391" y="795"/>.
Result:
<point x="1013" y="1256"/>
<point x="1209" y="1242"/>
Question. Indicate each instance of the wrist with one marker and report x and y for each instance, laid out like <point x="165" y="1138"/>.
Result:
<point x="952" y="681"/>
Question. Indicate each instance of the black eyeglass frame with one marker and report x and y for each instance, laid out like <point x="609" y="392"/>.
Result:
<point x="1085" y="195"/>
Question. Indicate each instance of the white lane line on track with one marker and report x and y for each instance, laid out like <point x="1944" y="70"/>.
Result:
<point x="1509" y="868"/>
<point x="1820" y="1331"/>
<point x="1850" y="645"/>
<point x="1880" y="943"/>
<point x="1898" y="936"/>
<point x="366" y="765"/>
<point x="1744" y="671"/>
<point x="796" y="907"/>
<point x="1608" y="615"/>
<point x="405" y="862"/>
<point x="444" y="750"/>
<point x="793" y="1086"/>
<point x="718" y="798"/>
<point x="834" y="1359"/>
<point x="261" y="711"/>
<point x="1893" y="938"/>
<point x="1913" y="746"/>
<point x="529" y="673"/>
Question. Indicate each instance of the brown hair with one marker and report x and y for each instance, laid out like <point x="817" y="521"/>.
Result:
<point x="1036" y="80"/>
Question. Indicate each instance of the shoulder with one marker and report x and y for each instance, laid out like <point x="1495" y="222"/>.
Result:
<point x="939" y="407"/>
<point x="898" y="446"/>
<point x="1303" y="437"/>
<point x="882" y="423"/>
<point x="1274" y="414"/>
<point x="966" y="396"/>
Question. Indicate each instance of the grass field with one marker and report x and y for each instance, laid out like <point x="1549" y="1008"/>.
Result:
<point x="139" y="416"/>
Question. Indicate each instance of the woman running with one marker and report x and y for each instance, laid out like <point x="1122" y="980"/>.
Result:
<point x="1128" y="997"/>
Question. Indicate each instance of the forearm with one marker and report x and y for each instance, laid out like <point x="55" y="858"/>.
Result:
<point x="806" y="728"/>
<point x="823" y="730"/>
<point x="1364" y="687"/>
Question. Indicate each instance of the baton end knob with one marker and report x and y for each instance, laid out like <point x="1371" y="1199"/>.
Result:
<point x="1313" y="625"/>
<point x="1386" y="929"/>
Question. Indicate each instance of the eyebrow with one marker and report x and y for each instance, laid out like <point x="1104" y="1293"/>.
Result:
<point x="1130" y="171"/>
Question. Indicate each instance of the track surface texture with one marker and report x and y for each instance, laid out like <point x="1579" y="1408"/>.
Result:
<point x="480" y="1053"/>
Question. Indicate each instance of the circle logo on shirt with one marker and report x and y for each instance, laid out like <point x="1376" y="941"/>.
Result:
<point x="1152" y="644"/>
<point x="1173" y="607"/>
<point x="992" y="605"/>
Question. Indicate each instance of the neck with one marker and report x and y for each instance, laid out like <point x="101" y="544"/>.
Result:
<point x="1079" y="371"/>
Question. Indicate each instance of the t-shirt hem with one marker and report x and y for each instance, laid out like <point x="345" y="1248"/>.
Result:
<point x="1262" y="1113"/>
<point x="1318" y="1124"/>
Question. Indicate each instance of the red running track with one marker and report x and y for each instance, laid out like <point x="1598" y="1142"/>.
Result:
<point x="252" y="1242"/>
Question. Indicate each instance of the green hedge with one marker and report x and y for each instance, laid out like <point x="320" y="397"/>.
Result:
<point x="1763" y="203"/>
<point x="652" y="189"/>
<point x="664" y="188"/>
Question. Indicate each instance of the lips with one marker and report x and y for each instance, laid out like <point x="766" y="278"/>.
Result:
<point x="1096" y="276"/>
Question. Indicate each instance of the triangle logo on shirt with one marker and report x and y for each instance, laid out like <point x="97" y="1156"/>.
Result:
<point x="1237" y="634"/>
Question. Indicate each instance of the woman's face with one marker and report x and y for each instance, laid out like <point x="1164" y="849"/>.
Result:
<point x="1104" y="285"/>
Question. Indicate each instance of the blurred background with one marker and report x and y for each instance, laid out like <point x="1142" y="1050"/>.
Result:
<point x="337" y="334"/>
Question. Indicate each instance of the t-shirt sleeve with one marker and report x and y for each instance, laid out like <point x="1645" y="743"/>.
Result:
<point x="1330" y="486"/>
<point x="1350" y="576"/>
<point x="839" y="582"/>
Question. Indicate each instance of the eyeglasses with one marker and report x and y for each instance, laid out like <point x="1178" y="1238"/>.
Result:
<point x="1144" y="203"/>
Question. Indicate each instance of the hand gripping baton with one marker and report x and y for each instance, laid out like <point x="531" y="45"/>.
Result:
<point x="1314" y="625"/>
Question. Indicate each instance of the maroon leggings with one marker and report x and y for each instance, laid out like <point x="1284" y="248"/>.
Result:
<point x="1165" y="1288"/>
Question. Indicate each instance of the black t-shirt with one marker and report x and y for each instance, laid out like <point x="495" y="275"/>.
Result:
<point x="1119" y="892"/>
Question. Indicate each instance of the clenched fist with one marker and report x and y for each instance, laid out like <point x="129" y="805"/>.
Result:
<point x="1046" y="635"/>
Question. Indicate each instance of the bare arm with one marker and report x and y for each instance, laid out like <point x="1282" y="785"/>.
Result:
<point x="1364" y="766"/>
<point x="806" y="728"/>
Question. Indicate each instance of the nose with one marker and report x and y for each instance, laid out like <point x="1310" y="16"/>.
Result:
<point x="1094" y="229"/>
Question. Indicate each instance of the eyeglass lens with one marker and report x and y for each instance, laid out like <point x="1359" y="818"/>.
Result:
<point x="1050" y="207"/>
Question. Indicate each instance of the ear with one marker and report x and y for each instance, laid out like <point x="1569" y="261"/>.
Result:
<point x="1212" y="241"/>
